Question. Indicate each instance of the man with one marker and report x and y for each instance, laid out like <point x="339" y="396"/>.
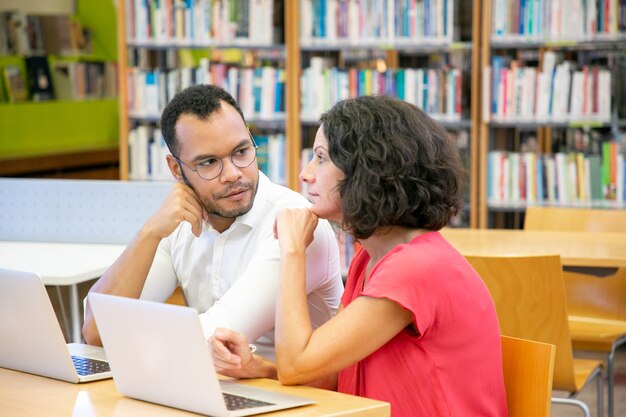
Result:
<point x="213" y="234"/>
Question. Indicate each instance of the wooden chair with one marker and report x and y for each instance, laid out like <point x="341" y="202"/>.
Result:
<point x="575" y="219"/>
<point x="528" y="368"/>
<point x="596" y="306"/>
<point x="177" y="297"/>
<point x="529" y="296"/>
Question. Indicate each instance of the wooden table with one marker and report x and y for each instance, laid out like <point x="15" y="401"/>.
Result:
<point x="23" y="394"/>
<point x="577" y="249"/>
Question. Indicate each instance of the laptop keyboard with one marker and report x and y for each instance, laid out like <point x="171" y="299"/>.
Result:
<point x="235" y="402"/>
<point x="88" y="366"/>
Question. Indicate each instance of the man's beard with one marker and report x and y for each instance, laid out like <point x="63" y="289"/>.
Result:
<point x="213" y="208"/>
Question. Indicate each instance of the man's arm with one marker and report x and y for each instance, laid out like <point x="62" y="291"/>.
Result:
<point x="249" y="305"/>
<point x="127" y="276"/>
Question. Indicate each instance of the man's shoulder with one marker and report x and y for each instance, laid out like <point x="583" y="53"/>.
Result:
<point x="281" y="196"/>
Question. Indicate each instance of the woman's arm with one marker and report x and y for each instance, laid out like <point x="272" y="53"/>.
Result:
<point x="360" y="329"/>
<point x="233" y="357"/>
<point x="304" y="355"/>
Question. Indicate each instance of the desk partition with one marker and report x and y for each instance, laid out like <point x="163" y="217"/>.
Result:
<point x="76" y="211"/>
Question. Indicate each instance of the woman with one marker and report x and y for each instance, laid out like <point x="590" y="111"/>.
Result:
<point x="417" y="326"/>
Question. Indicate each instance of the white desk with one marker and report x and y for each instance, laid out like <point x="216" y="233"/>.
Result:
<point x="61" y="264"/>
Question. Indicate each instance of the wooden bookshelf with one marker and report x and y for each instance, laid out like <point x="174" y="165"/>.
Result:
<point x="594" y="47"/>
<point x="401" y="53"/>
<point x="147" y="52"/>
<point x="479" y="46"/>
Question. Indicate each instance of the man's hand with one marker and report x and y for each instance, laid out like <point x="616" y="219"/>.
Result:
<point x="182" y="204"/>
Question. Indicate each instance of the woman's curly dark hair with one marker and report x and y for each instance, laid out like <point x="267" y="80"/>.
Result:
<point x="401" y="167"/>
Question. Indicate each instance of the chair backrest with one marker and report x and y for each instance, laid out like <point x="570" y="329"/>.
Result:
<point x="587" y="296"/>
<point x="575" y="219"/>
<point x="529" y="296"/>
<point x="177" y="298"/>
<point x="528" y="368"/>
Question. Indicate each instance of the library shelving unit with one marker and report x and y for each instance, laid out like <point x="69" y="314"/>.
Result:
<point x="167" y="46"/>
<point x="422" y="52"/>
<point x="437" y="60"/>
<point x="553" y="113"/>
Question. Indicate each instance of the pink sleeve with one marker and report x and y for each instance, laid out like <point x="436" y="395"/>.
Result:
<point x="404" y="280"/>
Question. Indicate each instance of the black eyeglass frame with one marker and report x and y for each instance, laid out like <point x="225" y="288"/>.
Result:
<point x="254" y="146"/>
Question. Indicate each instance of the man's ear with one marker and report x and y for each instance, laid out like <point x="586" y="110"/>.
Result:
<point x="175" y="168"/>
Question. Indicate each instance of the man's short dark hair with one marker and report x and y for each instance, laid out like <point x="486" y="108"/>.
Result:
<point x="401" y="167"/>
<point x="199" y="100"/>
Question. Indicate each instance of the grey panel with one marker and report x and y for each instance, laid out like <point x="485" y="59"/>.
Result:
<point x="77" y="211"/>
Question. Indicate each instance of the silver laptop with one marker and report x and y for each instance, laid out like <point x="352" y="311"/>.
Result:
<point x="31" y="339"/>
<point x="158" y="353"/>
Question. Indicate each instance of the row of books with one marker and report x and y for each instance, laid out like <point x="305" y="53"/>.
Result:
<point x="437" y="91"/>
<point x="259" y="91"/>
<point x="200" y="22"/>
<point x="22" y="34"/>
<point x="147" y="153"/>
<point x="558" y="19"/>
<point x="375" y="20"/>
<point x="564" y="178"/>
<point x="557" y="92"/>
<point x="79" y="80"/>
<point x="67" y="80"/>
<point x="271" y="156"/>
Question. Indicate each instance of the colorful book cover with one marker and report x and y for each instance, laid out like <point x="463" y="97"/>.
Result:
<point x="14" y="84"/>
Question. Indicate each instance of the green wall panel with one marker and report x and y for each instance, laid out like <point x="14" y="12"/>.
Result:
<point x="100" y="16"/>
<point x="28" y="129"/>
<point x="57" y="126"/>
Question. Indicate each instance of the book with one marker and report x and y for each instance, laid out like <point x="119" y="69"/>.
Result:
<point x="14" y="84"/>
<point x="34" y="36"/>
<point x="57" y="34"/>
<point x="3" y="94"/>
<point x="39" y="79"/>
<point x="18" y="33"/>
<point x="6" y="41"/>
<point x="63" y="74"/>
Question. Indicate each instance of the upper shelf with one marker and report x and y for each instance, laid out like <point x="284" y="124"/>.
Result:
<point x="515" y="41"/>
<point x="419" y="45"/>
<point x="192" y="44"/>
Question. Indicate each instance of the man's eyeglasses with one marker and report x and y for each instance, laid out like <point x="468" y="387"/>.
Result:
<point x="211" y="168"/>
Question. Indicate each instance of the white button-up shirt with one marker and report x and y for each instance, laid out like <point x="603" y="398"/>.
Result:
<point x="232" y="278"/>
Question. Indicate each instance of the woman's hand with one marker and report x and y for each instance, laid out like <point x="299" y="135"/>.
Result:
<point x="294" y="228"/>
<point x="233" y="357"/>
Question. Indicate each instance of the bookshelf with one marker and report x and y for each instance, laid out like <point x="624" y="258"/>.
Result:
<point x="45" y="138"/>
<point x="552" y="123"/>
<point x="455" y="47"/>
<point x="164" y="48"/>
<point x="344" y="49"/>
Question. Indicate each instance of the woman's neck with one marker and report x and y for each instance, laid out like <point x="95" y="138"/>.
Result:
<point x="383" y="240"/>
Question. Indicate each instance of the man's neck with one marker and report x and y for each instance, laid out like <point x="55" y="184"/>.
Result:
<point x="220" y="223"/>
